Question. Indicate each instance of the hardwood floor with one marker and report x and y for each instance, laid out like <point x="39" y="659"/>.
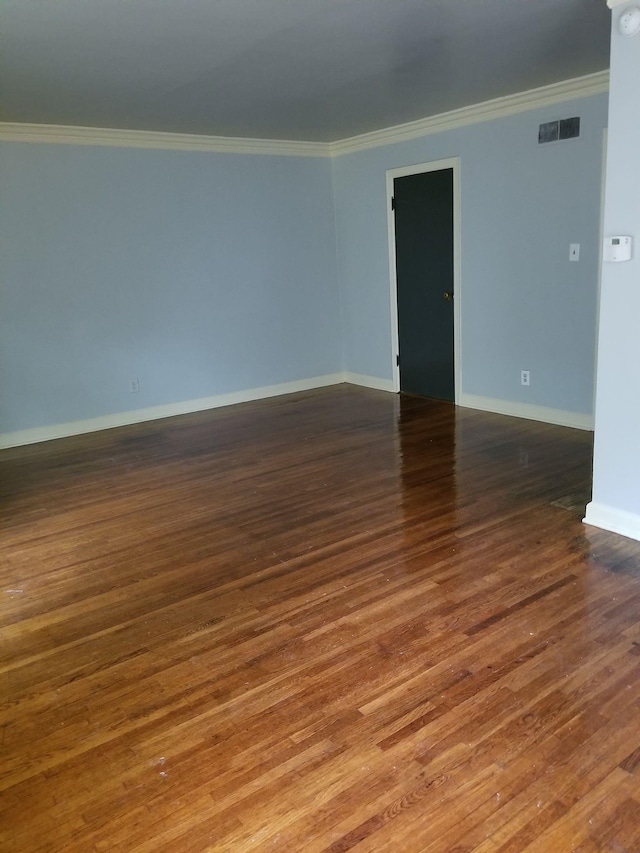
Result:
<point x="336" y="621"/>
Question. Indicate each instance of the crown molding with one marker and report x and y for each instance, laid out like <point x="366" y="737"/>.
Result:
<point x="578" y="87"/>
<point x="69" y="135"/>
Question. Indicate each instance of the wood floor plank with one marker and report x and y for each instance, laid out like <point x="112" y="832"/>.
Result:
<point x="341" y="620"/>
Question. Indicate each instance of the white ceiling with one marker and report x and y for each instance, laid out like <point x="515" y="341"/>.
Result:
<point x="316" y="70"/>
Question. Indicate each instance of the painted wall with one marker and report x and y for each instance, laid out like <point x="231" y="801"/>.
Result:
<point x="524" y="305"/>
<point x="198" y="273"/>
<point x="207" y="274"/>
<point x="616" y="475"/>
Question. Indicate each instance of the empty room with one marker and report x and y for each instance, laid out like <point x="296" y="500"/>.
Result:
<point x="319" y="426"/>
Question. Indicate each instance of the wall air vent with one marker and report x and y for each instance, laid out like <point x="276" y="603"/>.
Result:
<point x="565" y="128"/>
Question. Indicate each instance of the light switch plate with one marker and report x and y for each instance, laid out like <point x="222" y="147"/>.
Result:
<point x="574" y="252"/>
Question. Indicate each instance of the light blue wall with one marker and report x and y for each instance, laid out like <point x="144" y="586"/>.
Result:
<point x="198" y="273"/>
<point x="205" y="274"/>
<point x="523" y="304"/>
<point x="616" y="470"/>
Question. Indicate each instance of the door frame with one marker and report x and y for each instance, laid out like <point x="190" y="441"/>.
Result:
<point x="404" y="171"/>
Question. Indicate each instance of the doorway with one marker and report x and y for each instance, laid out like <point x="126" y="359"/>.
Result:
<point x="425" y="281"/>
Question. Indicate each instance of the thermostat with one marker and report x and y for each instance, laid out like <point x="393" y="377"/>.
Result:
<point x="617" y="248"/>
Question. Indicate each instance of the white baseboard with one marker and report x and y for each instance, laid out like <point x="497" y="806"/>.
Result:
<point x="471" y="401"/>
<point x="368" y="381"/>
<point x="616" y="520"/>
<point x="46" y="433"/>
<point x="527" y="411"/>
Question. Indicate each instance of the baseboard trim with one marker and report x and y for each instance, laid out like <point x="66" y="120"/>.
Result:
<point x="527" y="411"/>
<point x="47" y="433"/>
<point x="368" y="381"/>
<point x="612" y="519"/>
<point x="185" y="407"/>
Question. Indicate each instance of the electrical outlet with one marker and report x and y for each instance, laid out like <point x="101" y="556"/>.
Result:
<point x="134" y="385"/>
<point x="525" y="377"/>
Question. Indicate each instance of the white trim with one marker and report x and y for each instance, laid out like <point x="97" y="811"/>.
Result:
<point x="68" y="135"/>
<point x="369" y="381"/>
<point x="613" y="3"/>
<point x="579" y="87"/>
<point x="434" y="166"/>
<point x="471" y="401"/>
<point x="616" y="520"/>
<point x="603" y="187"/>
<point x="46" y="433"/>
<point x="576" y="420"/>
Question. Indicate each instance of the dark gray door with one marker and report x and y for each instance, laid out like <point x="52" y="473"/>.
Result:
<point x="423" y="207"/>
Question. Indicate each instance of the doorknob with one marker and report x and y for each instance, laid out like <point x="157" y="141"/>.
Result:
<point x="448" y="295"/>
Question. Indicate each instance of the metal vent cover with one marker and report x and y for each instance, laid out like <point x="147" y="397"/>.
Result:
<point x="564" y="128"/>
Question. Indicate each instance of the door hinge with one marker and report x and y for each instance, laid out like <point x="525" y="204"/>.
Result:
<point x="397" y="361"/>
<point x="393" y="202"/>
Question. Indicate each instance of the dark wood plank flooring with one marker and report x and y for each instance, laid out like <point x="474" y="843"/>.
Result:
<point x="336" y="621"/>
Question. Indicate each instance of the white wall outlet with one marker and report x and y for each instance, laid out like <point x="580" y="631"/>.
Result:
<point x="574" y="252"/>
<point x="525" y="377"/>
<point x="134" y="385"/>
